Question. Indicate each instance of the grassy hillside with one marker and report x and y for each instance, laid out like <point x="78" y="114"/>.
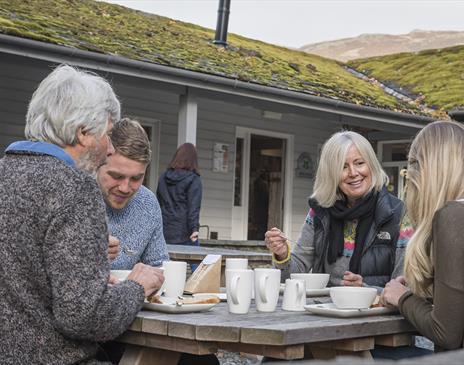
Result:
<point x="113" y="29"/>
<point x="436" y="76"/>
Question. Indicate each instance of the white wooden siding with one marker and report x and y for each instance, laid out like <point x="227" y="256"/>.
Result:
<point x="217" y="122"/>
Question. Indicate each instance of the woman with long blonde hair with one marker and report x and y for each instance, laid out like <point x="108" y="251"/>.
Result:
<point x="434" y="259"/>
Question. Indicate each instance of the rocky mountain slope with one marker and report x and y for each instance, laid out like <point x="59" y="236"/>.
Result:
<point x="372" y="45"/>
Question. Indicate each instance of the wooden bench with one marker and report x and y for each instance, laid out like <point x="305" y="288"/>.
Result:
<point x="194" y="255"/>
<point x="249" y="245"/>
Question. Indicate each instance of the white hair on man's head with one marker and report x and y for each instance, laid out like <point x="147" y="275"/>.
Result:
<point x="69" y="99"/>
<point x="332" y="160"/>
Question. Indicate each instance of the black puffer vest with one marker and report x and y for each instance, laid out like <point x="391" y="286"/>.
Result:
<point x="378" y="257"/>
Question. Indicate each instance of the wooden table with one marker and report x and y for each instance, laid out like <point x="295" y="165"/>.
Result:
<point x="162" y="337"/>
<point x="195" y="255"/>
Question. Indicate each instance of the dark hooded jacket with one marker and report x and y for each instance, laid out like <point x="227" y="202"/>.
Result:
<point x="179" y="195"/>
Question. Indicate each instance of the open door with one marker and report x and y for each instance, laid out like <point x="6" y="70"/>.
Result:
<point x="265" y="200"/>
<point x="262" y="189"/>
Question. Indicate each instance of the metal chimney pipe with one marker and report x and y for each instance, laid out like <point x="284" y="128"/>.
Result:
<point x="222" y="23"/>
<point x="457" y="114"/>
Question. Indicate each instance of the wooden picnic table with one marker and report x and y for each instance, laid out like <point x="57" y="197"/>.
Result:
<point x="195" y="254"/>
<point x="156" y="337"/>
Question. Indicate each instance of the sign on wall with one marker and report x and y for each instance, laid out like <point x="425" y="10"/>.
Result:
<point x="305" y="166"/>
<point x="221" y="157"/>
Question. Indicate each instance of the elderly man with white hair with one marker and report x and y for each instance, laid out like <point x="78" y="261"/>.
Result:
<point x="55" y="300"/>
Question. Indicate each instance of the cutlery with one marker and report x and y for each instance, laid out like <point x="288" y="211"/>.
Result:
<point x="128" y="251"/>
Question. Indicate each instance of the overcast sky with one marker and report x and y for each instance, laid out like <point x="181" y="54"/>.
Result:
<point x="294" y="23"/>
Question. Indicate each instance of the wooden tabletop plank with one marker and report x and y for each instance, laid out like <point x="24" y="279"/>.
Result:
<point x="277" y="329"/>
<point x="205" y="332"/>
<point x="153" y="322"/>
<point x="136" y="325"/>
<point x="168" y="343"/>
<point x="309" y="329"/>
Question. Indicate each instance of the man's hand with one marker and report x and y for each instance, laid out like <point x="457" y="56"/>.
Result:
<point x="113" y="247"/>
<point x="276" y="243"/>
<point x="113" y="280"/>
<point x="351" y="279"/>
<point x="148" y="276"/>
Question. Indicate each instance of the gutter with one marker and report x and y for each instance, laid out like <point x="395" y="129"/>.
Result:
<point x="185" y="78"/>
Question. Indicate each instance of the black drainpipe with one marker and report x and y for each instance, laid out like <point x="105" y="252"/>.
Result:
<point x="222" y="23"/>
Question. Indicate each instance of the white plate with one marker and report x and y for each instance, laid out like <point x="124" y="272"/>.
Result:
<point x="311" y="292"/>
<point x="329" y="309"/>
<point x="222" y="296"/>
<point x="170" y="306"/>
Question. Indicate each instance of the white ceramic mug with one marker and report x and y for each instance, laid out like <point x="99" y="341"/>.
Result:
<point x="236" y="264"/>
<point x="238" y="285"/>
<point x="175" y="274"/>
<point x="294" y="295"/>
<point x="267" y="287"/>
<point x="121" y="275"/>
<point x="239" y="264"/>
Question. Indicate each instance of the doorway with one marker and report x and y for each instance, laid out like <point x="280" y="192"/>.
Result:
<point x="265" y="200"/>
<point x="393" y="156"/>
<point x="262" y="189"/>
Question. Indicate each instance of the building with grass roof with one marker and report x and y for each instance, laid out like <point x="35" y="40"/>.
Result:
<point x="254" y="110"/>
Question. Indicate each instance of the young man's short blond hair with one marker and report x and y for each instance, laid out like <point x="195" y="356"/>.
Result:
<point x="332" y="160"/>
<point x="130" y="140"/>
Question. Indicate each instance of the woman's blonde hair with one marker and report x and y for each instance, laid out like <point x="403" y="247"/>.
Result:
<point x="332" y="160"/>
<point x="434" y="176"/>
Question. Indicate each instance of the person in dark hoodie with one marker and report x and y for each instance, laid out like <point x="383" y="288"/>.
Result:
<point x="179" y="194"/>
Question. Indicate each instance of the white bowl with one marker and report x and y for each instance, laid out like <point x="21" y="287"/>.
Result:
<point x="312" y="280"/>
<point x="352" y="297"/>
<point x="120" y="274"/>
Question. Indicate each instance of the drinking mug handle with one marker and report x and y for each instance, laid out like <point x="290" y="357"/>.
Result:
<point x="162" y="289"/>
<point x="262" y="288"/>
<point x="234" y="288"/>
<point x="299" y="291"/>
<point x="163" y="286"/>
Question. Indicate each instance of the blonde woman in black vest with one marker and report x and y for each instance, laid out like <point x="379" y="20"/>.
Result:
<point x="353" y="227"/>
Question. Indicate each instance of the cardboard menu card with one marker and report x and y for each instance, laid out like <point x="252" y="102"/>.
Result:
<point x="207" y="277"/>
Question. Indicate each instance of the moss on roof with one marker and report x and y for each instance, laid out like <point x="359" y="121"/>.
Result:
<point x="113" y="29"/>
<point x="436" y="76"/>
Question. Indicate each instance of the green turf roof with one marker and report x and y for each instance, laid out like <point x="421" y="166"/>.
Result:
<point x="434" y="76"/>
<point x="113" y="29"/>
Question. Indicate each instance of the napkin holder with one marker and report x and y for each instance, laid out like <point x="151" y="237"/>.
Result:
<point x="207" y="277"/>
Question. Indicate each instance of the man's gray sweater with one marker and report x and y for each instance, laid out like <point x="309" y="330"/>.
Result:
<point x="55" y="303"/>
